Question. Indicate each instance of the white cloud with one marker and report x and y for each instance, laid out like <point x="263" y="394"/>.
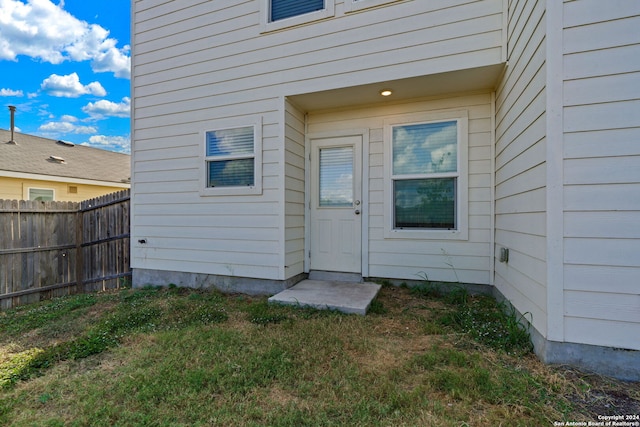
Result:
<point x="121" y="144"/>
<point x="9" y="92"/>
<point x="69" y="86"/>
<point x="68" y="118"/>
<point x="45" y="31"/>
<point x="104" y="108"/>
<point x="66" y="126"/>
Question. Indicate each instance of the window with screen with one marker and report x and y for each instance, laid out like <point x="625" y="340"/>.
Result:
<point x="232" y="160"/>
<point x="426" y="190"/>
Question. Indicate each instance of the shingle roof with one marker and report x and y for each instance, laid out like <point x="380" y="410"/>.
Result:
<point x="41" y="156"/>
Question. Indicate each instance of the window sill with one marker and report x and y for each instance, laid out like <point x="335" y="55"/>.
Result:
<point x="230" y="191"/>
<point x="293" y="21"/>
<point x="426" y="234"/>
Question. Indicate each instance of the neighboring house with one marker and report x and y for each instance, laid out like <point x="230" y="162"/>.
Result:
<point x="35" y="168"/>
<point x="506" y="155"/>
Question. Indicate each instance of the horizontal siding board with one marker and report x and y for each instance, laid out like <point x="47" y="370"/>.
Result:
<point x="219" y="258"/>
<point x="599" y="332"/>
<point x="528" y="201"/>
<point x="435" y="247"/>
<point x="189" y="109"/>
<point x="602" y="35"/>
<point x="192" y="21"/>
<point x="585" y="12"/>
<point x="148" y="10"/>
<point x="212" y="233"/>
<point x="622" y="59"/>
<point x="247" y="221"/>
<point x="434" y="274"/>
<point x="609" y="224"/>
<point x="217" y="245"/>
<point x="596" y="90"/>
<point x="200" y="207"/>
<point x="526" y="222"/>
<point x="530" y="179"/>
<point x="604" y="143"/>
<point x="441" y="261"/>
<point x="601" y="197"/>
<point x="528" y="244"/>
<point x="167" y="176"/>
<point x="169" y="187"/>
<point x="603" y="251"/>
<point x="599" y="278"/>
<point x="167" y="263"/>
<point x="603" y="306"/>
<point x="613" y="115"/>
<point x="603" y="170"/>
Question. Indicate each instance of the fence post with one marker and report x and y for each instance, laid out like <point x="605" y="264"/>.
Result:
<point x="79" y="250"/>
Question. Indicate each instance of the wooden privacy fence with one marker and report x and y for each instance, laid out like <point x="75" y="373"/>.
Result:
<point x="50" y="249"/>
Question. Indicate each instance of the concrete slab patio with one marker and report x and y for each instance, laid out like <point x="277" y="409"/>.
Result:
<point x="347" y="297"/>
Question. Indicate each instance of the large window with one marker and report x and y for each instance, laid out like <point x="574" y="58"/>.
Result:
<point x="232" y="160"/>
<point x="279" y="14"/>
<point x="427" y="178"/>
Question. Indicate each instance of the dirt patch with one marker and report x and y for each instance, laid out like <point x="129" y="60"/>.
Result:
<point x="598" y="395"/>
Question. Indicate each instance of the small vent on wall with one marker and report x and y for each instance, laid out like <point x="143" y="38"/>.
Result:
<point x="72" y="189"/>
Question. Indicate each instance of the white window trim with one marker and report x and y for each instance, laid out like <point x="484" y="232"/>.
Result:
<point x="256" y="123"/>
<point x="356" y="5"/>
<point x="266" y="25"/>
<point x="462" y="189"/>
<point x="28" y="195"/>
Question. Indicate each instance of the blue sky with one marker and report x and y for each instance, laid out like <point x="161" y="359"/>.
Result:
<point x="65" y="65"/>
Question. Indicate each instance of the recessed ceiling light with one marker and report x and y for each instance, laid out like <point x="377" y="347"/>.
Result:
<point x="386" y="92"/>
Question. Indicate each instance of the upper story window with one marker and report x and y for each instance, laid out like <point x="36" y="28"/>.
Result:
<point x="278" y="14"/>
<point x="282" y="9"/>
<point x="232" y="161"/>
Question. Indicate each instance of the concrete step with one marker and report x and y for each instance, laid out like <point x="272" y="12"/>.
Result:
<point x="347" y="297"/>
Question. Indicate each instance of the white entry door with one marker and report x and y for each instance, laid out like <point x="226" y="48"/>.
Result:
<point x="335" y="205"/>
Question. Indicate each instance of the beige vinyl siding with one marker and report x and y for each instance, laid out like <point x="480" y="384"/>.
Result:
<point x="520" y="164"/>
<point x="441" y="260"/>
<point x="196" y="62"/>
<point x="602" y="172"/>
<point x="294" y="170"/>
<point x="224" y="235"/>
<point x="18" y="189"/>
<point x="222" y="54"/>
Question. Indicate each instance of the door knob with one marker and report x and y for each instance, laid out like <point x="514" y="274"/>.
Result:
<point x="357" y="212"/>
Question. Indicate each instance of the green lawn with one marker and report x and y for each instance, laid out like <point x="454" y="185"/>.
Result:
<point x="177" y="357"/>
